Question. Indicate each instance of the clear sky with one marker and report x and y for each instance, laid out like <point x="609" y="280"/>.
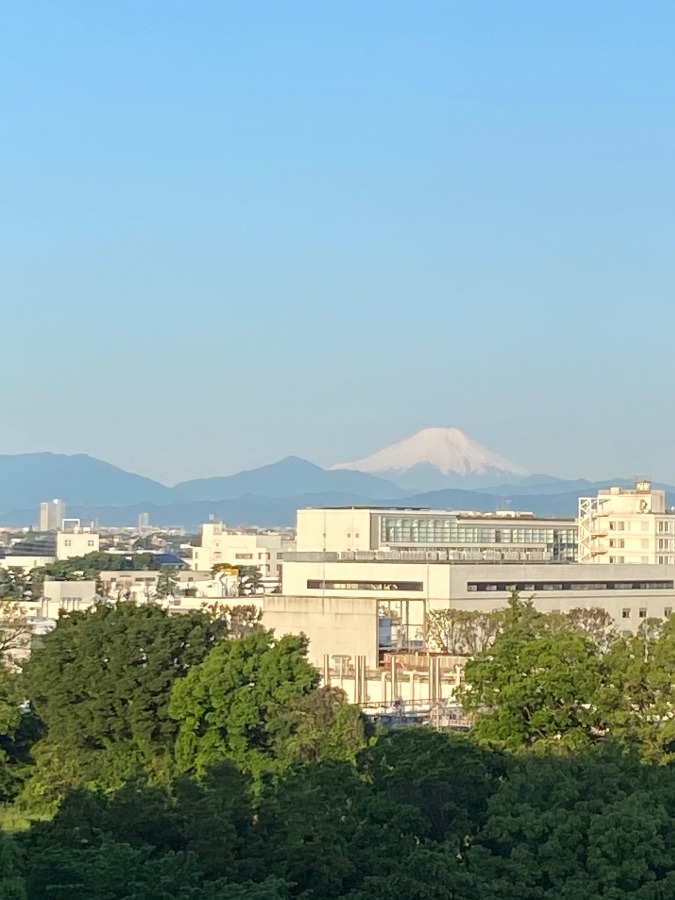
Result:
<point x="236" y="230"/>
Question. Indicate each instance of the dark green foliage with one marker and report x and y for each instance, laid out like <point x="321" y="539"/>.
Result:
<point x="19" y="729"/>
<point x="446" y="777"/>
<point x="181" y="764"/>
<point x="12" y="867"/>
<point x="102" y="683"/>
<point x="15" y="584"/>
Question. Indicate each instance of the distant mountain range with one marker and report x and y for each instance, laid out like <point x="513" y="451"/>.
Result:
<point x="270" y="495"/>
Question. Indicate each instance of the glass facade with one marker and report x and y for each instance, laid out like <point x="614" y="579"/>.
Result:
<point x="443" y="531"/>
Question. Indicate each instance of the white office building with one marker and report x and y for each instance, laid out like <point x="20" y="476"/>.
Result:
<point x="457" y="536"/>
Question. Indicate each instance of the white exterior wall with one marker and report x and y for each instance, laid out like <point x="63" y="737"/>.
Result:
<point x="445" y="585"/>
<point x="67" y="595"/>
<point x="25" y="563"/>
<point x="499" y="535"/>
<point x="76" y="543"/>
<point x="335" y="626"/>
<point x="262" y="550"/>
<point x="334" y="529"/>
<point x="626" y="527"/>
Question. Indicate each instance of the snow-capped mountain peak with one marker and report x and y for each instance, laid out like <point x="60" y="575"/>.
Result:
<point x="447" y="450"/>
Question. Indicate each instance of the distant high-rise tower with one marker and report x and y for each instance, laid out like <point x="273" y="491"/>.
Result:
<point x="143" y="521"/>
<point x="52" y="513"/>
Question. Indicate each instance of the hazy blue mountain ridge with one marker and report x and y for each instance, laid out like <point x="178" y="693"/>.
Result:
<point x="267" y="496"/>
<point x="26" y="479"/>
<point x="287" y="478"/>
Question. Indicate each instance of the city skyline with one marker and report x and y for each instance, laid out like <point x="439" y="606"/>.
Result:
<point x="237" y="233"/>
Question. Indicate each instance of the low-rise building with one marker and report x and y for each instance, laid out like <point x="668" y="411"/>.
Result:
<point x="76" y="540"/>
<point x="254" y="549"/>
<point x="24" y="561"/>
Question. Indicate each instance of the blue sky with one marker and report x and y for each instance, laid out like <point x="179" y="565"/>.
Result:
<point x="233" y="231"/>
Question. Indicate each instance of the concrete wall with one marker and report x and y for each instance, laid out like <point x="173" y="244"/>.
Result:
<point x="334" y="626"/>
<point x="25" y="563"/>
<point x="76" y="543"/>
<point x="334" y="529"/>
<point x="486" y="586"/>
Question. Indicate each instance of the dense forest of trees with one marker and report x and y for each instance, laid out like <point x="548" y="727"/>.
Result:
<point x="144" y="755"/>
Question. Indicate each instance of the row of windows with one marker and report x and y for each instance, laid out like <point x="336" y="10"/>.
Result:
<point x="364" y="585"/>
<point x="427" y="530"/>
<point x="642" y="613"/>
<point x="570" y="586"/>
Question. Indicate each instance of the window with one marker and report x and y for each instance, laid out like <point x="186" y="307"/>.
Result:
<point x="642" y="613"/>
<point x="364" y="585"/>
<point x="667" y="612"/>
<point x="625" y="614"/>
<point x="522" y="586"/>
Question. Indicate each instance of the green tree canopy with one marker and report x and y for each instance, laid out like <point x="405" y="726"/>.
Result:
<point x="535" y="685"/>
<point x="252" y="701"/>
<point x="101" y="683"/>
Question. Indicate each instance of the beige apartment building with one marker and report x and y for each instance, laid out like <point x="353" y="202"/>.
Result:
<point x="263" y="550"/>
<point x="76" y="541"/>
<point x="627" y="526"/>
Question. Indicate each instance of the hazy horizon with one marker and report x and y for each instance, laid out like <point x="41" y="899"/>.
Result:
<point x="238" y="232"/>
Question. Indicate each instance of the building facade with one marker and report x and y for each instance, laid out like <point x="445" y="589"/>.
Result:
<point x="261" y="550"/>
<point x="76" y="541"/>
<point x="627" y="526"/>
<point x="52" y="514"/>
<point x="505" y="535"/>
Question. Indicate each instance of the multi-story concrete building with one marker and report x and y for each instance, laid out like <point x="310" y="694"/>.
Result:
<point x="76" y="541"/>
<point x="627" y="526"/>
<point x="52" y="514"/>
<point x="363" y="584"/>
<point x="262" y="550"/>
<point x="505" y="535"/>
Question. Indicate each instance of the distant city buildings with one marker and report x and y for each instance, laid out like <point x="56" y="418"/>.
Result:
<point x="52" y="514"/>
<point x="263" y="551"/>
<point x="363" y="583"/>
<point x="143" y="521"/>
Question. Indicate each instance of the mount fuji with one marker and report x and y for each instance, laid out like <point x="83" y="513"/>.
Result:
<point x="438" y="458"/>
